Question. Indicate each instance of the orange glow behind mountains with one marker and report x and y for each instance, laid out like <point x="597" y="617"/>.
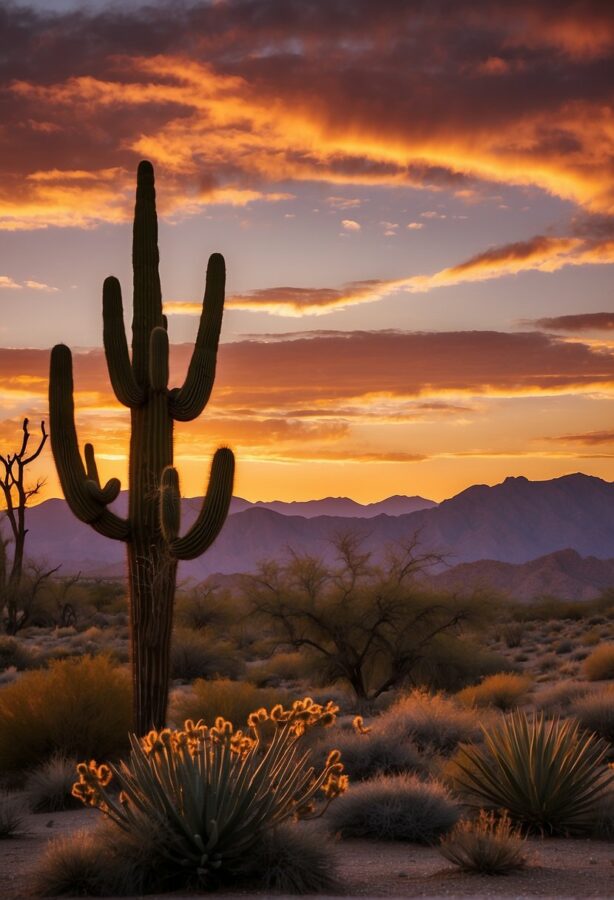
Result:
<point x="431" y="192"/>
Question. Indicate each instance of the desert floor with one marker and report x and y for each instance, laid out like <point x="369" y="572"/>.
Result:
<point x="559" y="868"/>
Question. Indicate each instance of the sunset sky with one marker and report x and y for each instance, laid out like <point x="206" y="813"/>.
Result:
<point x="415" y="201"/>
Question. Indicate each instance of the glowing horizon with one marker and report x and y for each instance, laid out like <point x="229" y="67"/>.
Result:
<point x="418" y="230"/>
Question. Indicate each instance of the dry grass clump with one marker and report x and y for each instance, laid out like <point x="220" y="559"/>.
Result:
<point x="233" y="700"/>
<point x="489" y="845"/>
<point x="430" y="721"/>
<point x="560" y="697"/>
<point x="15" y="654"/>
<point x="291" y="859"/>
<point x="11" y="814"/>
<point x="108" y="861"/>
<point x="374" y="753"/>
<point x="595" y="712"/>
<point x="599" y="666"/>
<point x="103" y="862"/>
<point x="49" y="787"/>
<point x="198" y="654"/>
<point x="394" y="808"/>
<point x="504" y="691"/>
<point x="77" y="707"/>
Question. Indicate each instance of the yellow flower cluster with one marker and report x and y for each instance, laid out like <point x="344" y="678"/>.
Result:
<point x="302" y="715"/>
<point x="195" y="735"/>
<point x="337" y="782"/>
<point x="92" y="779"/>
<point x="358" y="724"/>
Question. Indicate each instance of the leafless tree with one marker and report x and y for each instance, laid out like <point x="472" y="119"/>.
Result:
<point x="16" y="498"/>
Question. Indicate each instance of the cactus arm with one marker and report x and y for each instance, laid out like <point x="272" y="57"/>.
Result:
<point x="187" y="402"/>
<point x="73" y="475"/>
<point x="213" y="511"/>
<point x="147" y="297"/>
<point x="122" y="377"/>
<point x="110" y="491"/>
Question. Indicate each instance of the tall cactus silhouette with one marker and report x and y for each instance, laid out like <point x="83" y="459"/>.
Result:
<point x="151" y="530"/>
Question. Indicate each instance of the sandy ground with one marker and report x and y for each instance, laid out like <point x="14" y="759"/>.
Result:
<point x="559" y="868"/>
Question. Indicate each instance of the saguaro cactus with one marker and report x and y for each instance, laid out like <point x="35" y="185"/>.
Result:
<point x="151" y="530"/>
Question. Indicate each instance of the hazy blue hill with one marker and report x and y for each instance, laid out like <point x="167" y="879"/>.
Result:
<point x="512" y="522"/>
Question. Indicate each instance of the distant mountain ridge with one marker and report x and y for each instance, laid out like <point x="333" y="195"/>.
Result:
<point x="563" y="574"/>
<point x="338" y="506"/>
<point x="513" y="522"/>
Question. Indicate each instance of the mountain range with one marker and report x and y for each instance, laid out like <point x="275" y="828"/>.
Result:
<point x="511" y="523"/>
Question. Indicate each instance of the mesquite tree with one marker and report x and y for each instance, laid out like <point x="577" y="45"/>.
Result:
<point x="151" y="530"/>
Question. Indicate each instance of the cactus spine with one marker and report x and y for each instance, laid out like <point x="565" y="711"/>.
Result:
<point x="151" y="530"/>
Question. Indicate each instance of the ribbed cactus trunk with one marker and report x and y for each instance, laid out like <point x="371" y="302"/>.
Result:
<point x="151" y="530"/>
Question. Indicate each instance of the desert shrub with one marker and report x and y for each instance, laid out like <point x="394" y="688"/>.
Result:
<point x="563" y="647"/>
<point x="394" y="808"/>
<point x="103" y="862"/>
<point x="595" y="712"/>
<point x="77" y="707"/>
<point x="198" y="654"/>
<point x="375" y="753"/>
<point x="547" y="774"/>
<point x="547" y="663"/>
<point x="11" y="814"/>
<point x="603" y="820"/>
<point x="430" y="720"/>
<point x="108" y="861"/>
<point x="233" y="700"/>
<point x="490" y="845"/>
<point x="560" y="697"/>
<point x="290" y="859"/>
<point x="512" y="634"/>
<point x="599" y="666"/>
<point x="16" y="654"/>
<point x="49" y="787"/>
<point x="209" y="795"/>
<point x="283" y="667"/>
<point x="505" y="691"/>
<point x="453" y="663"/>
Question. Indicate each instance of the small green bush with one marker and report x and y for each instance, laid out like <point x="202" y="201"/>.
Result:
<point x="549" y="775"/>
<point x="11" y="814"/>
<point x="430" y="721"/>
<point x="595" y="712"/>
<point x="49" y="787"/>
<point x="394" y="808"/>
<point x="290" y="859"/>
<point x="375" y="753"/>
<point x="453" y="663"/>
<point x="77" y="707"/>
<point x="599" y="666"/>
<point x="233" y="700"/>
<point x="504" y="690"/>
<point x="489" y="846"/>
<point x="197" y="654"/>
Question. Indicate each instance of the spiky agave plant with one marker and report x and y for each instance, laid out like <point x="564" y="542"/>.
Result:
<point x="207" y="795"/>
<point x="140" y="382"/>
<point x="548" y="774"/>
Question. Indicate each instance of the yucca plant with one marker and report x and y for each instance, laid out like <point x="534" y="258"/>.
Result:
<point x="211" y="793"/>
<point x="490" y="845"/>
<point x="548" y="774"/>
